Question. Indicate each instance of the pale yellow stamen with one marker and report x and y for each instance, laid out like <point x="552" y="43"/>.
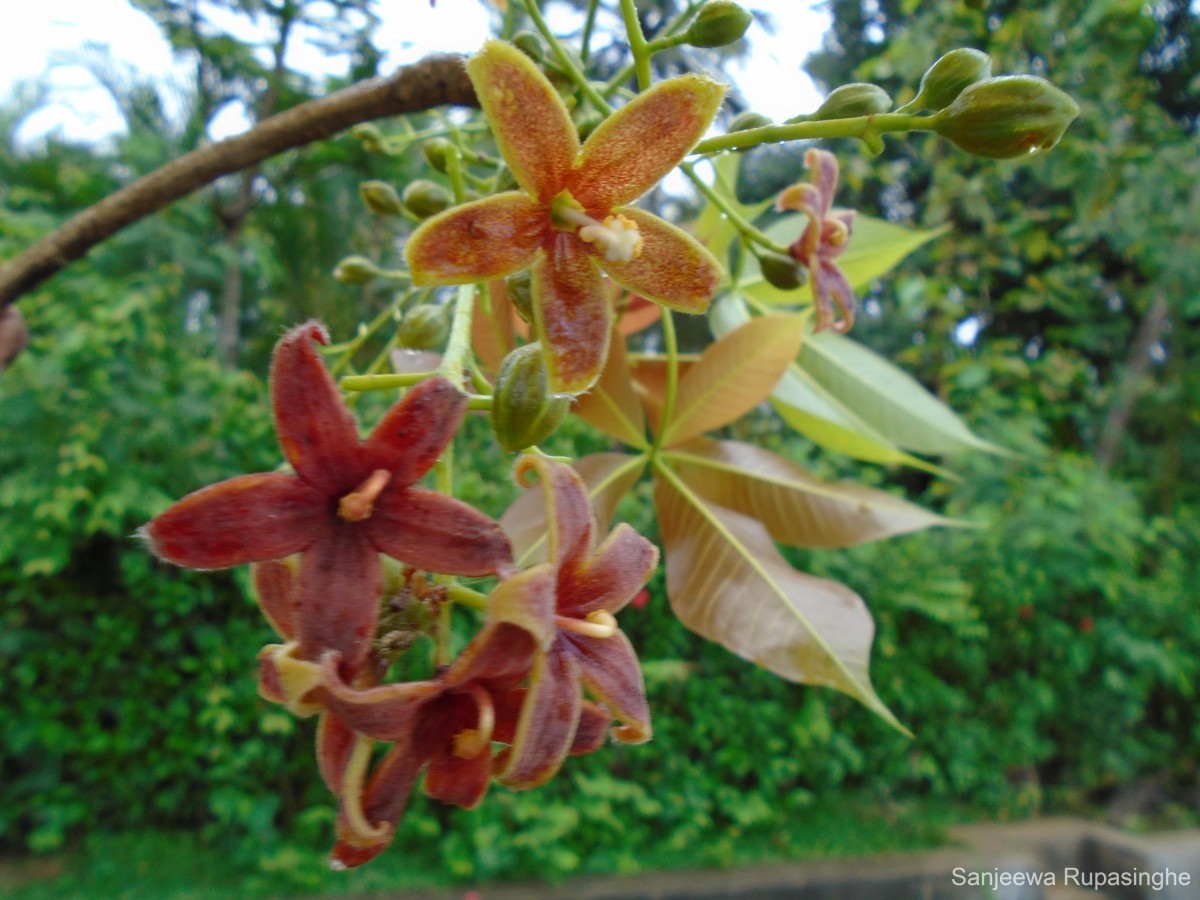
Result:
<point x="598" y="624"/>
<point x="617" y="236"/>
<point x="360" y="503"/>
<point x="470" y="742"/>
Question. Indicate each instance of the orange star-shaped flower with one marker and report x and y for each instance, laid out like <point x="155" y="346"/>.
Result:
<point x="569" y="221"/>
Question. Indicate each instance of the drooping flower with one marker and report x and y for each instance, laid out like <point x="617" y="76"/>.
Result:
<point x="570" y="220"/>
<point x="346" y="502"/>
<point x="444" y="726"/>
<point x="568" y="604"/>
<point x="823" y="240"/>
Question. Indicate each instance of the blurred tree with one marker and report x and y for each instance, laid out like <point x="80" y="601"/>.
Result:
<point x="1068" y="278"/>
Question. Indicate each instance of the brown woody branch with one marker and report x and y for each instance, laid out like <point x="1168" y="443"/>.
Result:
<point x="434" y="81"/>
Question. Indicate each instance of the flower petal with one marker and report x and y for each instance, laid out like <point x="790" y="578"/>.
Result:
<point x="641" y="142"/>
<point x="340" y="586"/>
<point x="609" y="669"/>
<point x="824" y="167"/>
<point x="528" y="118"/>
<point x="593" y="729"/>
<point x="611" y="578"/>
<point x="571" y="314"/>
<point x="251" y="518"/>
<point x="382" y="805"/>
<point x="275" y="587"/>
<point x="286" y="678"/>
<point x="829" y="285"/>
<point x="547" y="725"/>
<point x="451" y="778"/>
<point x="673" y="269"/>
<point x="415" y="431"/>
<point x="568" y="511"/>
<point x="487" y="238"/>
<point x="437" y="533"/>
<point x="335" y="742"/>
<point x="315" y="429"/>
<point x="463" y="782"/>
<point x="501" y="651"/>
<point x="384" y="713"/>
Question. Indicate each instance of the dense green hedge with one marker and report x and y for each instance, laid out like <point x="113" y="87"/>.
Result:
<point x="1051" y="650"/>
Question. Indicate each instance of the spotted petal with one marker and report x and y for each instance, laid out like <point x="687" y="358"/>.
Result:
<point x="484" y="239"/>
<point x="546" y="729"/>
<point x="673" y="269"/>
<point x="530" y="122"/>
<point x="340" y="586"/>
<point x="415" y="431"/>
<point x="636" y="146"/>
<point x="611" y="578"/>
<point x="571" y="314"/>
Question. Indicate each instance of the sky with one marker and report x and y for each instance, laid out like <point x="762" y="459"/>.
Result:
<point x="38" y="41"/>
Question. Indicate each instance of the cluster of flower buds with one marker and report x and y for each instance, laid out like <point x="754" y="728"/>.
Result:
<point x="511" y="706"/>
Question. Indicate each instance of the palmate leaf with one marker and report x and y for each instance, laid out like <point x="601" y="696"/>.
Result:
<point x="820" y="414"/>
<point x="733" y="375"/>
<point x="727" y="582"/>
<point x="795" y="507"/>
<point x="897" y="405"/>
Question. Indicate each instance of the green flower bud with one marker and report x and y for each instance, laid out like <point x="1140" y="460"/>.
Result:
<point x="1007" y="116"/>
<point x="436" y="151"/>
<point x="531" y="45"/>
<point x="586" y="121"/>
<point x="381" y="198"/>
<point x="744" y="121"/>
<point x="949" y="77"/>
<point x="782" y="271"/>
<point x="524" y="412"/>
<point x="355" y="270"/>
<point x="719" y="22"/>
<point x="519" y="288"/>
<point x="853" y="100"/>
<point x="425" y="198"/>
<point x="370" y="137"/>
<point x="424" y="327"/>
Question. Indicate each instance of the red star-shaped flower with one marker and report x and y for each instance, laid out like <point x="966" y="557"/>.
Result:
<point x="346" y="502"/>
<point x="568" y="604"/>
<point x="823" y="240"/>
<point x="570" y="220"/>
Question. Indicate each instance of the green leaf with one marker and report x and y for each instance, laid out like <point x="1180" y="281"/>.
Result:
<point x="727" y="582"/>
<point x="874" y="390"/>
<point x="808" y="407"/>
<point x="876" y="247"/>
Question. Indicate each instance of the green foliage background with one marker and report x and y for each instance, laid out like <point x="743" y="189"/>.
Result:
<point x="1044" y="660"/>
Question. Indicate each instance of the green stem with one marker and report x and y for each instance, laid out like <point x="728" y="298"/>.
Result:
<point x="458" y="348"/>
<point x="671" y="36"/>
<point x="668" y="409"/>
<point x="464" y="596"/>
<point x="348" y="350"/>
<point x="638" y="47"/>
<point x="443" y="480"/>
<point x="828" y="128"/>
<point x="564" y="60"/>
<point x="585" y="42"/>
<point x="384" y="382"/>
<point x="736" y="219"/>
<point x="454" y="171"/>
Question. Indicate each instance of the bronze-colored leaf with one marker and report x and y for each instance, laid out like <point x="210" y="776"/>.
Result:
<point x="734" y="375"/>
<point x="612" y="405"/>
<point x="727" y="582"/>
<point x="796" y="507"/>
